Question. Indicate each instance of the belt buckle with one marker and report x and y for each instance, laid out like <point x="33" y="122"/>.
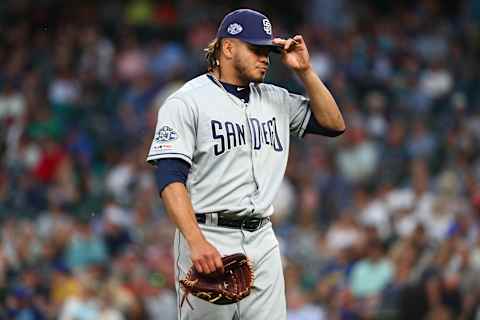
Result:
<point x="243" y="224"/>
<point x="256" y="221"/>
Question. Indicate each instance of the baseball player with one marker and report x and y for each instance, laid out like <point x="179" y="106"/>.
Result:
<point x="220" y="150"/>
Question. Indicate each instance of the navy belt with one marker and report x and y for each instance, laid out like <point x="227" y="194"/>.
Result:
<point x="221" y="220"/>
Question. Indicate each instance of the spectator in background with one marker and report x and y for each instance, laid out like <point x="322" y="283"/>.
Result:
<point x="445" y="206"/>
<point x="371" y="275"/>
<point x="374" y="211"/>
<point x="298" y="302"/>
<point x="376" y="122"/>
<point x="98" y="54"/>
<point x="55" y="221"/>
<point x="115" y="232"/>
<point x="12" y="119"/>
<point x="12" y="104"/>
<point x="357" y="161"/>
<point x="393" y="154"/>
<point x="85" y="248"/>
<point x="120" y="180"/>
<point x="20" y="305"/>
<point x="422" y="143"/>
<point x="345" y="233"/>
<point x="86" y="305"/>
<point x="408" y="204"/>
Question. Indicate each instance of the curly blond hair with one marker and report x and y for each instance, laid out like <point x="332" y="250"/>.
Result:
<point x="212" y="54"/>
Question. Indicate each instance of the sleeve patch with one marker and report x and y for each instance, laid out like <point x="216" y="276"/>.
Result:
<point x="165" y="134"/>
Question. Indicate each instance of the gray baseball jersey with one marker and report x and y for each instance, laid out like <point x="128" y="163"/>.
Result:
<point x="238" y="152"/>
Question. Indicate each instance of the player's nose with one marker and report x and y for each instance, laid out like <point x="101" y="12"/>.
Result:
<point x="265" y="60"/>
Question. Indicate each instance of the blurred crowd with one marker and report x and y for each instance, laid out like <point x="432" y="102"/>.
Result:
<point x="380" y="223"/>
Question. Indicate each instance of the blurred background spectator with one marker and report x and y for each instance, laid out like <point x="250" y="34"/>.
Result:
<point x="381" y="223"/>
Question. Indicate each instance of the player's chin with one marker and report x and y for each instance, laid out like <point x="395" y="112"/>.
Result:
<point x="259" y="75"/>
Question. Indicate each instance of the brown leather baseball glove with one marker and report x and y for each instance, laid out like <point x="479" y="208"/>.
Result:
<point x="230" y="287"/>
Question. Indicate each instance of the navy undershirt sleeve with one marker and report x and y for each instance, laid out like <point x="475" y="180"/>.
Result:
<point x="170" y="170"/>
<point x="314" y="127"/>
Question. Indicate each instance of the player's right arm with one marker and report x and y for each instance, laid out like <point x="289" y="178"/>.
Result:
<point x="172" y="152"/>
<point x="205" y="257"/>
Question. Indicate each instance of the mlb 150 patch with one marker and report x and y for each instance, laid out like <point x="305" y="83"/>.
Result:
<point x="165" y="134"/>
<point x="163" y="147"/>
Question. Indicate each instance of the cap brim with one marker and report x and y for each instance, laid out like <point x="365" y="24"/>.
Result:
<point x="266" y="43"/>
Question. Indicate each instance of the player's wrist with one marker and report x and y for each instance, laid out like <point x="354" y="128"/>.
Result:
<point x="194" y="238"/>
<point x="306" y="72"/>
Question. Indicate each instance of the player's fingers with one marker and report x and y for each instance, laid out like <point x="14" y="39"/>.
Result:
<point x="289" y="44"/>
<point x="206" y="266"/>
<point x="298" y="38"/>
<point x="208" y="263"/>
<point x="218" y="264"/>
<point x="201" y="264"/>
<point x="198" y="267"/>
<point x="211" y="265"/>
<point x="279" y="41"/>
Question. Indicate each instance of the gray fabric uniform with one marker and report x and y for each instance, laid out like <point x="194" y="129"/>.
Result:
<point x="238" y="154"/>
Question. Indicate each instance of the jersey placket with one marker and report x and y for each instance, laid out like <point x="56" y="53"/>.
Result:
<point x="248" y="116"/>
<point x="250" y="113"/>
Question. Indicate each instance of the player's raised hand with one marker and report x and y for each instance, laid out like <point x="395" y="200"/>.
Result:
<point x="294" y="54"/>
<point x="206" y="257"/>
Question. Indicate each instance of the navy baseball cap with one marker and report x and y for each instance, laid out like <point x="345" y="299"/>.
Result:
<point x="249" y="26"/>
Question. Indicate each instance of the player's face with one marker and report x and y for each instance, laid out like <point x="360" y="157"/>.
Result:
<point x="251" y="62"/>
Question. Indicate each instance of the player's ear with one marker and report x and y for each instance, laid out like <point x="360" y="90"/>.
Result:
<point x="228" y="47"/>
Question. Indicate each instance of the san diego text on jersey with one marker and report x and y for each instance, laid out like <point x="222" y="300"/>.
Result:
<point x="230" y="135"/>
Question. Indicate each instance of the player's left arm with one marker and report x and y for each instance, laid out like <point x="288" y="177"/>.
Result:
<point x="322" y="104"/>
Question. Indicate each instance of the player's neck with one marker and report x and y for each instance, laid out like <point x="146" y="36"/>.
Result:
<point x="228" y="76"/>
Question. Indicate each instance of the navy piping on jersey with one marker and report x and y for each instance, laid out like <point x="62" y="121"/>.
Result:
<point x="169" y="170"/>
<point x="166" y="153"/>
